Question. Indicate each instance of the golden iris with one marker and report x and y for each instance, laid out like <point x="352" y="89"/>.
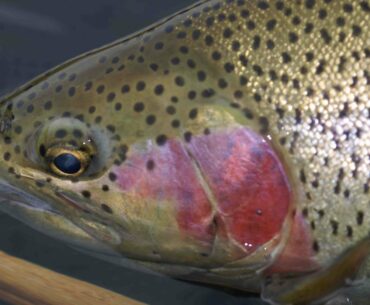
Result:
<point x="67" y="162"/>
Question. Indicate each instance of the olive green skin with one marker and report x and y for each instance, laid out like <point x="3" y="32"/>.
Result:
<point x="297" y="73"/>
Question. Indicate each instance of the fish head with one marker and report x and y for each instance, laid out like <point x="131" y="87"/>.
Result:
<point x="149" y="161"/>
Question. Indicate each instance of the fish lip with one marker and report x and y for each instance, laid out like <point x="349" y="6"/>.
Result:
<point x="30" y="199"/>
<point x="17" y="195"/>
<point x="25" y="205"/>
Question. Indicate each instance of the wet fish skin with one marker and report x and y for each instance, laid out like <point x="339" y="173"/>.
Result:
<point x="296" y="74"/>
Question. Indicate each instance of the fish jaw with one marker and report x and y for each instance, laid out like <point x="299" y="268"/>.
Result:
<point x="54" y="211"/>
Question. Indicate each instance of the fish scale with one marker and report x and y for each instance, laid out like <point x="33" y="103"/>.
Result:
<point x="296" y="73"/>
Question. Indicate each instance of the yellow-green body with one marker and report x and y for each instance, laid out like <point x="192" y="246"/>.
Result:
<point x="295" y="72"/>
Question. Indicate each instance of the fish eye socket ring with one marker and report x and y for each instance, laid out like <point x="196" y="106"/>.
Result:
<point x="67" y="162"/>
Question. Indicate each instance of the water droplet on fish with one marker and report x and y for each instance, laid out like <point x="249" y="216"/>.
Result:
<point x="248" y="245"/>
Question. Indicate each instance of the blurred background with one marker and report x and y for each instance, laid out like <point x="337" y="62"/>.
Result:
<point x="36" y="35"/>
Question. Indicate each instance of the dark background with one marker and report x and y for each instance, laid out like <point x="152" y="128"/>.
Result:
<point x="36" y="35"/>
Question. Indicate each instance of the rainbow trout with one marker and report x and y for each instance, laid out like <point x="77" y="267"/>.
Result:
<point x="228" y="144"/>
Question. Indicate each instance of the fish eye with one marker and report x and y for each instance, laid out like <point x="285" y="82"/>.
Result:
<point x="67" y="162"/>
<point x="69" y="148"/>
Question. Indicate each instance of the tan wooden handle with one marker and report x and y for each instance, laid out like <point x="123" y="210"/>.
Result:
<point x="24" y="283"/>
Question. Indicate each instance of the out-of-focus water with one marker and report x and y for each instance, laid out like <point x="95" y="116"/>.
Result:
<point x="36" y="35"/>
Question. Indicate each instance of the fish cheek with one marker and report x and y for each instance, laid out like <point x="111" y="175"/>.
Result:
<point x="215" y="199"/>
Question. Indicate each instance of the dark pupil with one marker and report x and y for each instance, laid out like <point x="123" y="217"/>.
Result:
<point x="67" y="163"/>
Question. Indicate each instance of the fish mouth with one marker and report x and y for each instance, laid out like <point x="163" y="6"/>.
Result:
<point x="10" y="194"/>
<point x="28" y="198"/>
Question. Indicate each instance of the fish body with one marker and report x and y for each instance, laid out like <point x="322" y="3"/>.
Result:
<point x="226" y="144"/>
